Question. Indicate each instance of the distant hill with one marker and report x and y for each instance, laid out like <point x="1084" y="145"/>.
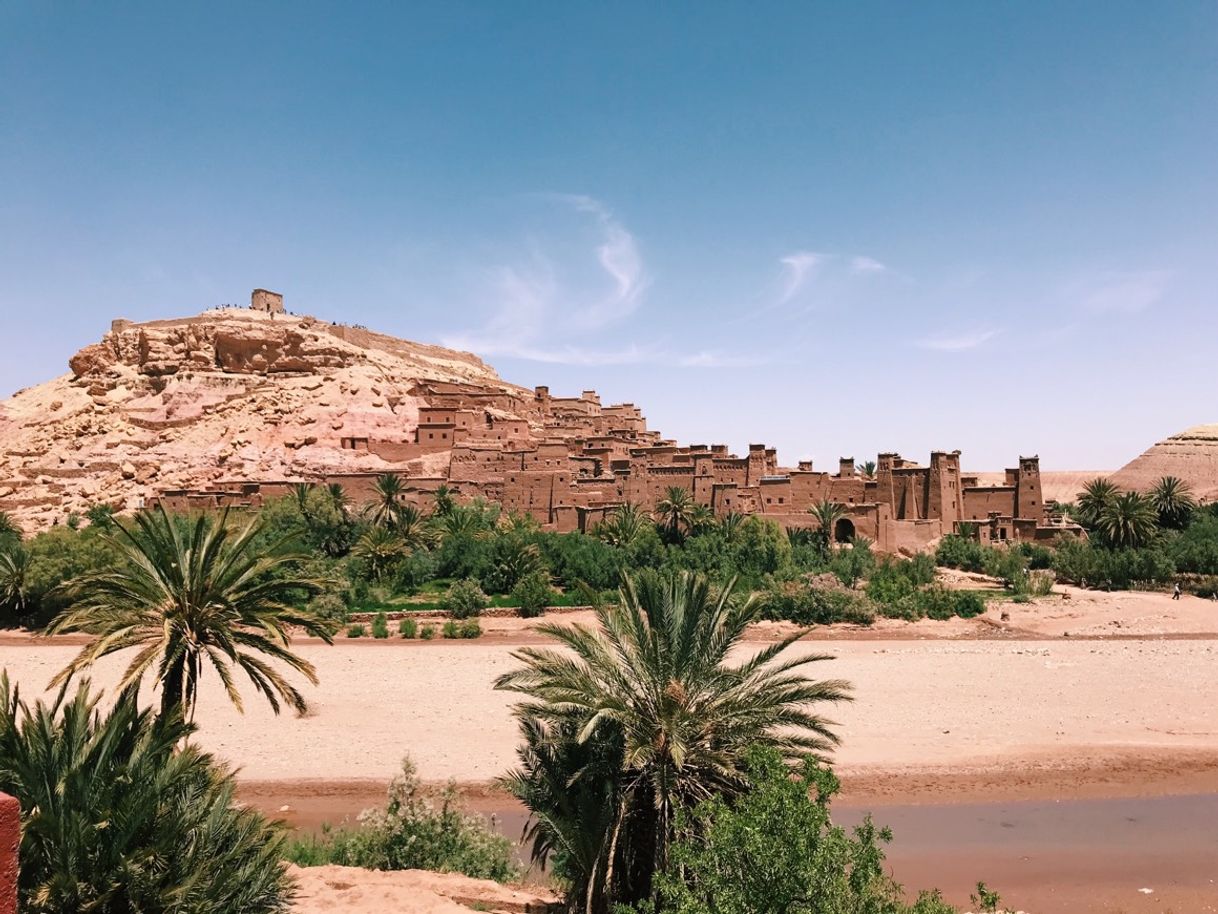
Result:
<point x="1192" y="455"/>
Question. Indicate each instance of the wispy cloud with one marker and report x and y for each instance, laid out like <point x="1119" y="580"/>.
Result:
<point x="1121" y="293"/>
<point x="860" y="264"/>
<point x="957" y="343"/>
<point x="797" y="268"/>
<point x="550" y="307"/>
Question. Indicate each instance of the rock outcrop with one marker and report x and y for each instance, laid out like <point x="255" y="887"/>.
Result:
<point x="1191" y="455"/>
<point x="227" y="395"/>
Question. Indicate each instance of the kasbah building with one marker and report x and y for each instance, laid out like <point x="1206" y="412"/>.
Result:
<point x="568" y="462"/>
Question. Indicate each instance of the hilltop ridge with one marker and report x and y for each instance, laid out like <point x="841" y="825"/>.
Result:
<point x="226" y="394"/>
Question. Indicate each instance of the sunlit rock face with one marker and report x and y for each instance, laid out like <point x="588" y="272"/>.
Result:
<point x="1191" y="455"/>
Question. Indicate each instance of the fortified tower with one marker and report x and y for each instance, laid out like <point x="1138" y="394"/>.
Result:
<point x="266" y="301"/>
<point x="943" y="495"/>
<point x="1029" y="502"/>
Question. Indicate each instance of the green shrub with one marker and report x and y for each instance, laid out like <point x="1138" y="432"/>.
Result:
<point x="356" y="630"/>
<point x="810" y="864"/>
<point x="329" y="606"/>
<point x="408" y="628"/>
<point x="810" y="604"/>
<point x="465" y="599"/>
<point x="960" y="552"/>
<point x="427" y="632"/>
<point x="470" y="628"/>
<point x="969" y="603"/>
<point x="413" y="832"/>
<point x="533" y="594"/>
<point x="121" y="813"/>
<point x="450" y="630"/>
<point x="380" y="626"/>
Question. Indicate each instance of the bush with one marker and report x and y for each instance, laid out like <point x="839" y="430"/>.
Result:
<point x="470" y="628"/>
<point x="329" y="606"/>
<point x="356" y="630"/>
<point x="810" y="864"/>
<point x="465" y="599"/>
<point x="121" y="813"/>
<point x="380" y="626"/>
<point x="412" y="832"/>
<point x="408" y="628"/>
<point x="960" y="552"/>
<point x="533" y="594"/>
<point x="811" y="604"/>
<point x="450" y="630"/>
<point x="969" y="603"/>
<point x="427" y="632"/>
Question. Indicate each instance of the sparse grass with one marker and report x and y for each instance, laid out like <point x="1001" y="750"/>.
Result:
<point x="356" y="631"/>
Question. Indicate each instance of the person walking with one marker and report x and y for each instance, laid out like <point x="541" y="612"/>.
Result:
<point x="1175" y="593"/>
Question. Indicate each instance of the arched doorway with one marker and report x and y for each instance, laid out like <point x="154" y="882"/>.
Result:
<point x="843" y="530"/>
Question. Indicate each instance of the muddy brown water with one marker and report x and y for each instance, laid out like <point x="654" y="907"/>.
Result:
<point x="1102" y="856"/>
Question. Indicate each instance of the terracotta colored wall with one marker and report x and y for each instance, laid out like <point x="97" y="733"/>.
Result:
<point x="10" y="840"/>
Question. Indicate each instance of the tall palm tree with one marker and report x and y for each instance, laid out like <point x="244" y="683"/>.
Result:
<point x="1173" y="501"/>
<point x="729" y="525"/>
<point x="866" y="469"/>
<point x="387" y="504"/>
<point x="192" y="593"/>
<point x="413" y="528"/>
<point x="14" y="565"/>
<point x="444" y="500"/>
<point x="1129" y="520"/>
<point x="381" y="548"/>
<point x="301" y="493"/>
<point x="674" y="511"/>
<point x="338" y="498"/>
<point x="623" y="526"/>
<point x="827" y="514"/>
<point x="1096" y="495"/>
<point x="664" y="719"/>
<point x="701" y="518"/>
<point x="8" y="527"/>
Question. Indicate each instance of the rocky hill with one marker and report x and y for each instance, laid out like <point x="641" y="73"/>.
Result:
<point x="1192" y="455"/>
<point x="227" y="395"/>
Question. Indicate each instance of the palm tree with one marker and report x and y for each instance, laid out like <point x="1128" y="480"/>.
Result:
<point x="413" y="528"/>
<point x="701" y="518"/>
<point x="1173" y="501"/>
<point x="381" y="548"/>
<point x="387" y="506"/>
<point x="674" y="510"/>
<point x="652" y="717"/>
<point x="729" y="525"/>
<point x="118" y="815"/>
<point x="623" y="526"/>
<point x="189" y="593"/>
<point x="444" y="500"/>
<point x="8" y="527"/>
<point x="301" y="492"/>
<point x="1096" y="495"/>
<point x="827" y="514"/>
<point x="14" y="565"/>
<point x="866" y="469"/>
<point x="1128" y="521"/>
<point x="338" y="498"/>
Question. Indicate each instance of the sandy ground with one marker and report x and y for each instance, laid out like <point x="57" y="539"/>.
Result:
<point x="342" y="888"/>
<point x="1002" y="703"/>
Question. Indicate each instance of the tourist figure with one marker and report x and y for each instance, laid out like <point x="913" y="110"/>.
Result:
<point x="1175" y="594"/>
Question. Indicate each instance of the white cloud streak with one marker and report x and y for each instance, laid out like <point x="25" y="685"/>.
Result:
<point x="958" y="343"/>
<point x="863" y="265"/>
<point x="1122" y="293"/>
<point x="797" y="268"/>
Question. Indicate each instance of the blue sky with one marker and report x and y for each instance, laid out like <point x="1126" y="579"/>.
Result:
<point x="835" y="228"/>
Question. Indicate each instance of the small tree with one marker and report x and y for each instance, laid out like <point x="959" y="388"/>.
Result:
<point x="533" y="594"/>
<point x="465" y="599"/>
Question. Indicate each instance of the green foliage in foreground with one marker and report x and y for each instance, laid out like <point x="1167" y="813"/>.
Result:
<point x="647" y="714"/>
<point x="414" y="832"/>
<point x="775" y="850"/>
<point x="116" y="820"/>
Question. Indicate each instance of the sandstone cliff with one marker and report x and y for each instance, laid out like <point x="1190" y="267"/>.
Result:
<point x="227" y="395"/>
